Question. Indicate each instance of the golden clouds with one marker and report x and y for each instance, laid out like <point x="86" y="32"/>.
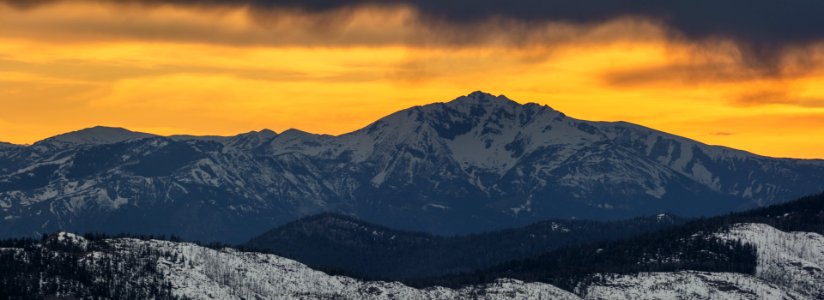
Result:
<point x="88" y="21"/>
<point x="223" y="70"/>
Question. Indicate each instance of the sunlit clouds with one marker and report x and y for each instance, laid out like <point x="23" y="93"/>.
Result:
<point x="218" y="69"/>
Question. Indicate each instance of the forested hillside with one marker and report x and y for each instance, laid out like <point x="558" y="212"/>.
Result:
<point x="344" y="244"/>
<point x="695" y="246"/>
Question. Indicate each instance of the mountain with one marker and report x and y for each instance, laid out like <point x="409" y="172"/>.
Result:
<point x="337" y="242"/>
<point x="98" y="135"/>
<point x="474" y="164"/>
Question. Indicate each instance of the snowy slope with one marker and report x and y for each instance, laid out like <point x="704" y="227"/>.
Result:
<point x="790" y="266"/>
<point x="688" y="285"/>
<point x="96" y="136"/>
<point x="195" y="272"/>
<point x="228" y="274"/>
<point x="793" y="259"/>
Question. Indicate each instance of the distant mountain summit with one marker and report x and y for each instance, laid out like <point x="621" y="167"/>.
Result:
<point x="477" y="163"/>
<point x="5" y="145"/>
<point x="97" y="135"/>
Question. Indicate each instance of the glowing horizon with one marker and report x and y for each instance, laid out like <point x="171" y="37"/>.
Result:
<point x="202" y="70"/>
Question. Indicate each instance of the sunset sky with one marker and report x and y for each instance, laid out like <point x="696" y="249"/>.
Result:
<point x="744" y="74"/>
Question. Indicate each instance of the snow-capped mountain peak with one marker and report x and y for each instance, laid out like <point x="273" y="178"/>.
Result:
<point x="252" y="139"/>
<point x="97" y="135"/>
<point x="484" y="99"/>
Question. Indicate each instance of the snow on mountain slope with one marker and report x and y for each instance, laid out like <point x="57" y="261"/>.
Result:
<point x="195" y="272"/>
<point x="790" y="266"/>
<point x="517" y="156"/>
<point x="793" y="259"/>
<point x="97" y="135"/>
<point x="228" y="274"/>
<point x="252" y="139"/>
<point x="688" y="285"/>
<point x="502" y="147"/>
<point x="7" y="149"/>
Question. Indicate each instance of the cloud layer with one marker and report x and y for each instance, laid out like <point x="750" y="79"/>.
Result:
<point x="762" y="28"/>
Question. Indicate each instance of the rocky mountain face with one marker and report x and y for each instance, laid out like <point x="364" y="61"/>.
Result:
<point x="477" y="163"/>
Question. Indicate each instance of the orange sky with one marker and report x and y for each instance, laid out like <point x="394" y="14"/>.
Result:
<point x="197" y="70"/>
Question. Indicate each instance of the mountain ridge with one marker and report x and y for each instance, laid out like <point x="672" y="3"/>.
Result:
<point x="475" y="95"/>
<point x="479" y="96"/>
<point x="96" y="135"/>
<point x="340" y="242"/>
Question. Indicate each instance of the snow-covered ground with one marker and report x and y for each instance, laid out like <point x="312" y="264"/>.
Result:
<point x="198" y="272"/>
<point x="688" y="285"/>
<point x="790" y="266"/>
<point x="792" y="259"/>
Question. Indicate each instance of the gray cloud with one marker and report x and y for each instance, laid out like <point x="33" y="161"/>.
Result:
<point x="763" y="29"/>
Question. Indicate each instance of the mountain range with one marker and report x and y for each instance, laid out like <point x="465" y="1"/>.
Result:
<point x="477" y="163"/>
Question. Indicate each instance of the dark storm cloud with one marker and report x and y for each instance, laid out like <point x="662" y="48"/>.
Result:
<point x="762" y="28"/>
